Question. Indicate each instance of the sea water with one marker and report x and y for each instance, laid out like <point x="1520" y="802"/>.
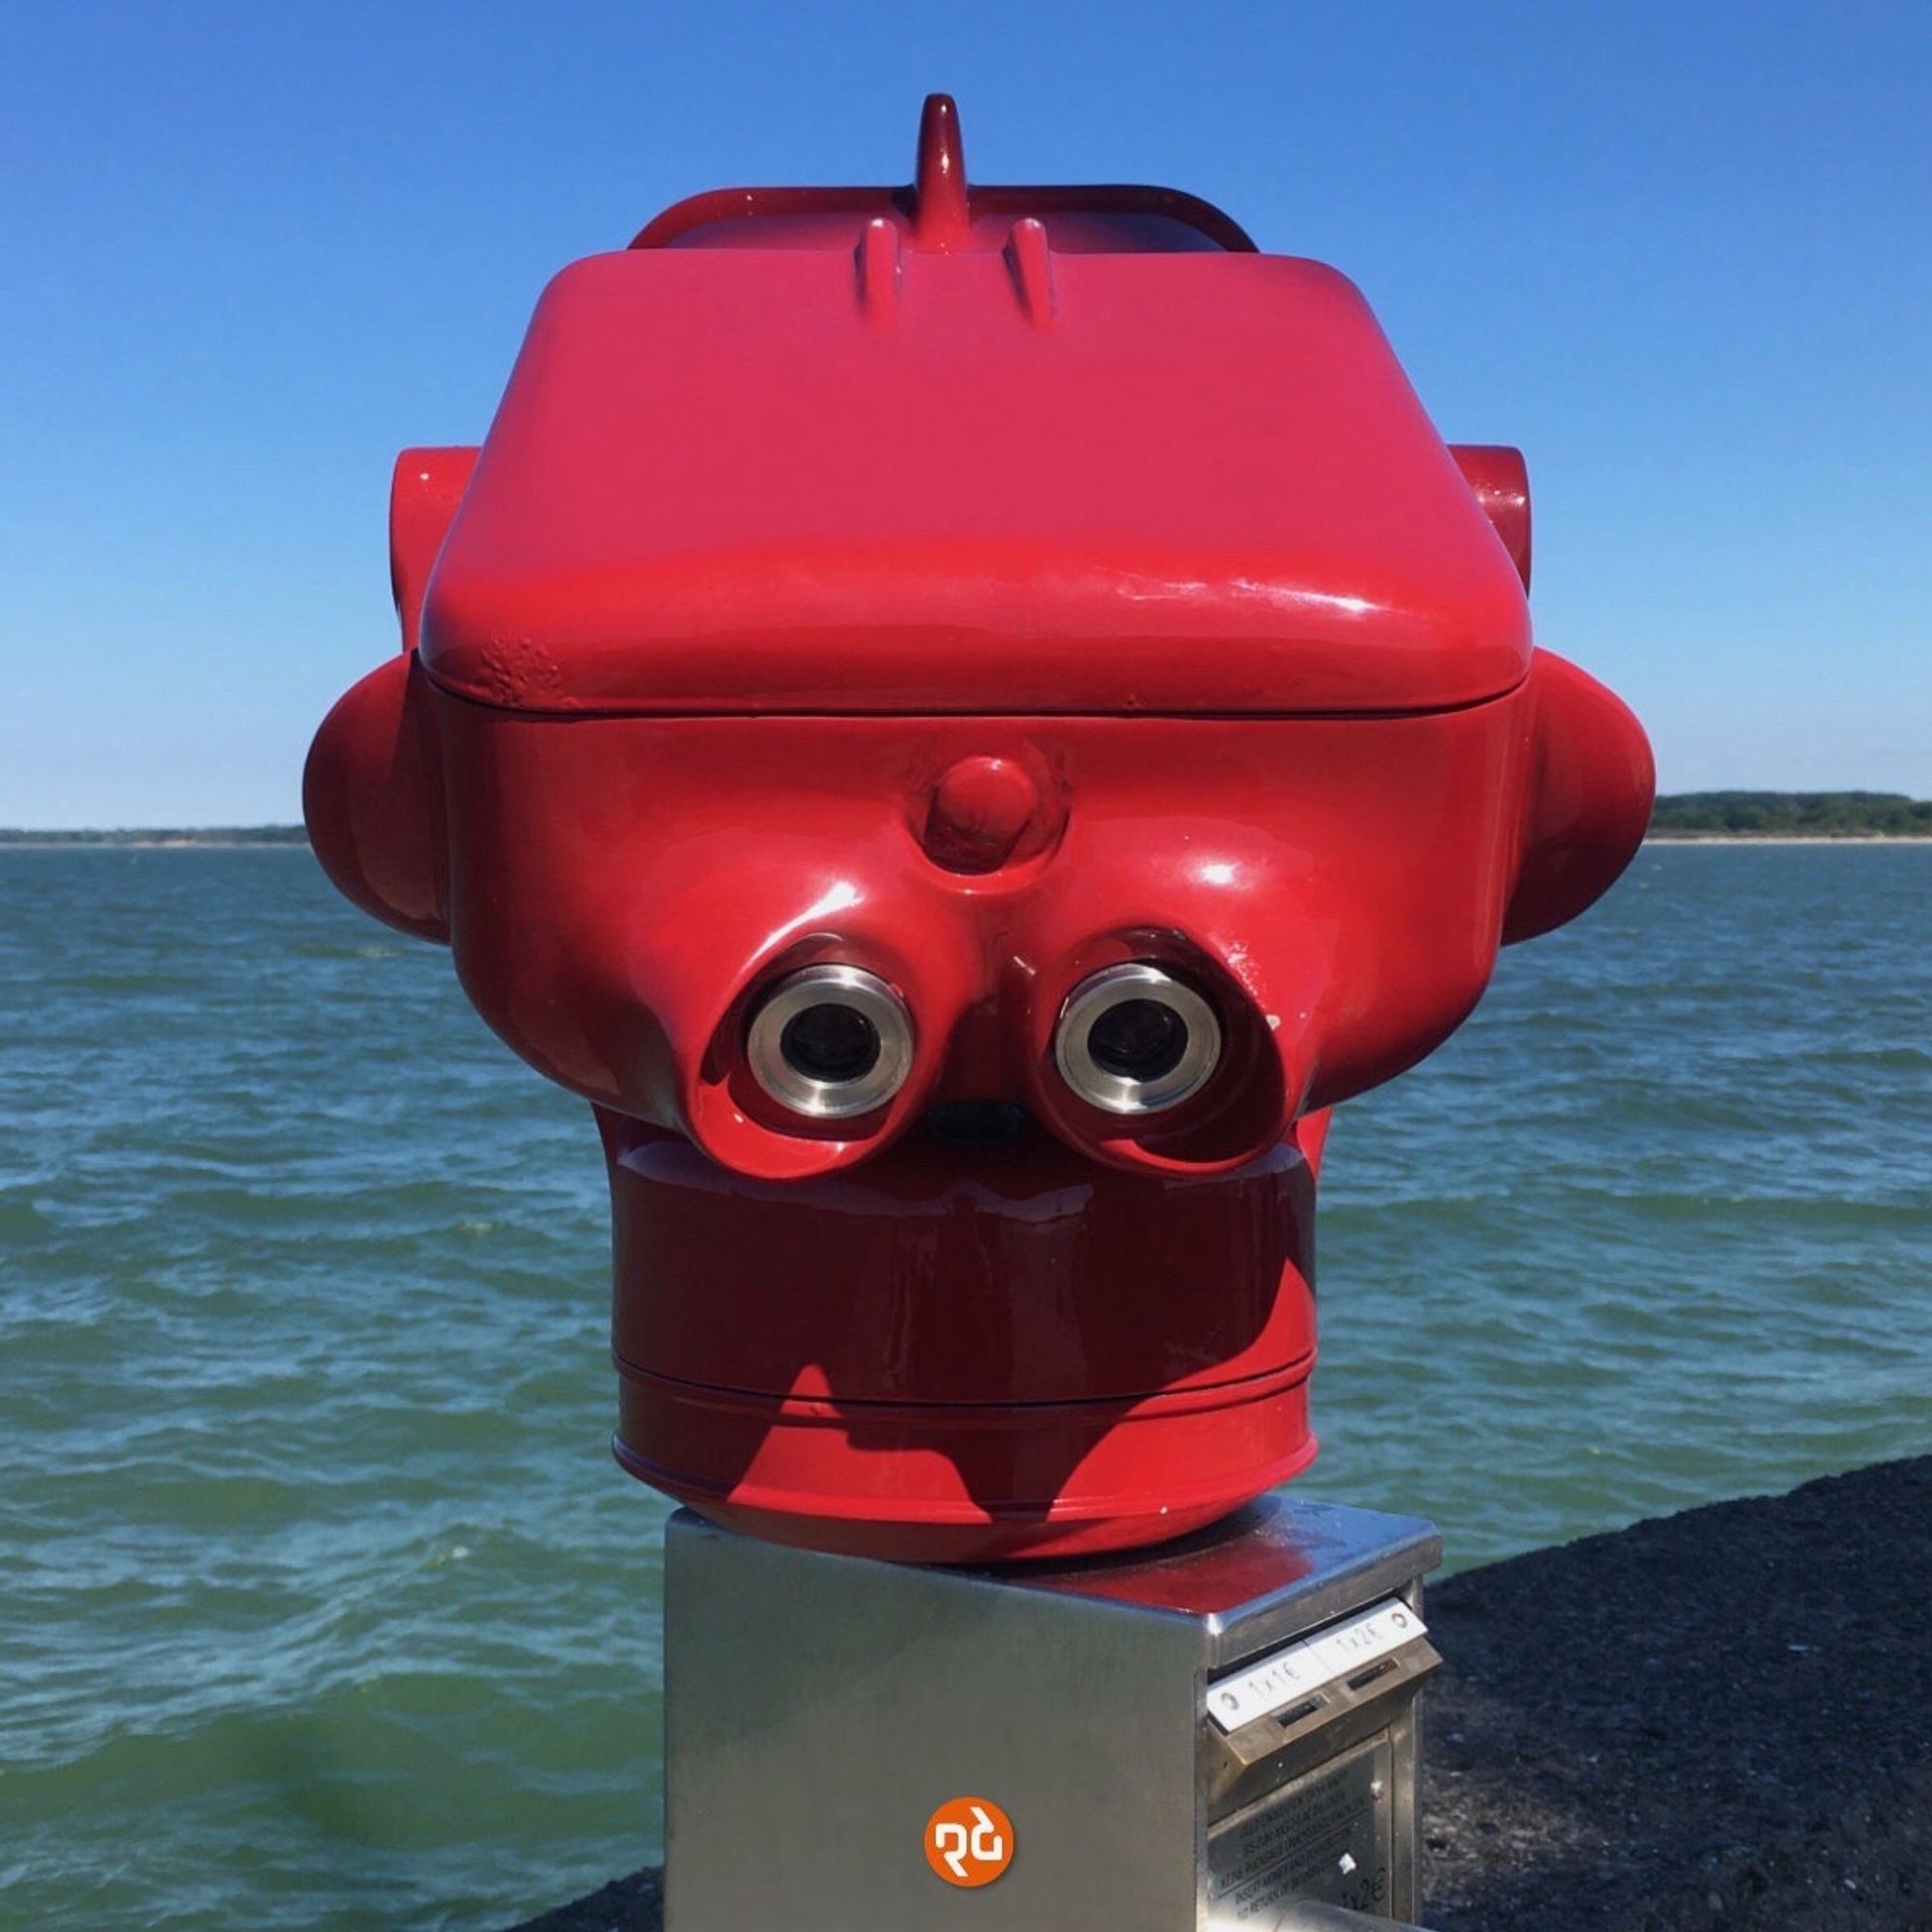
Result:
<point x="321" y="1605"/>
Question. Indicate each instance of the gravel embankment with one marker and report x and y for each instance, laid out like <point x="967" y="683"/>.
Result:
<point x="1718" y="1719"/>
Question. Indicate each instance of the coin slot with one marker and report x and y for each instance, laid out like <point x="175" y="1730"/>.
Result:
<point x="1364" y="1678"/>
<point x="1288" y="1719"/>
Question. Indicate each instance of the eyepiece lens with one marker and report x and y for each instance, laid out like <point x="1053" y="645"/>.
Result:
<point x="831" y="1042"/>
<point x="1135" y="1038"/>
<point x="1138" y="1039"/>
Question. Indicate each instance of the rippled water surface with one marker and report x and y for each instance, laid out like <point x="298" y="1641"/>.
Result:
<point x="321" y="1602"/>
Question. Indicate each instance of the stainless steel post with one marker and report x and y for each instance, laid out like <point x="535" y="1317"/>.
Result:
<point x="1190" y="1738"/>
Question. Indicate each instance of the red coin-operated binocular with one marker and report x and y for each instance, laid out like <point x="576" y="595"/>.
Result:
<point x="963" y="721"/>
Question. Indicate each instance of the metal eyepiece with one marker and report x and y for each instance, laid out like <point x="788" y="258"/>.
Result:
<point x="830" y="1041"/>
<point x="1134" y="1040"/>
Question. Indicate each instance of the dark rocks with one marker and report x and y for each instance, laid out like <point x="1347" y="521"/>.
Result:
<point x="1722" y="1719"/>
<point x="633" y="1904"/>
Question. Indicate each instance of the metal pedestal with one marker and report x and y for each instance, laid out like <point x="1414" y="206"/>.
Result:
<point x="1217" y="1733"/>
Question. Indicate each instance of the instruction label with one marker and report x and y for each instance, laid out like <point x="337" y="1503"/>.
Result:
<point x="1327" y="1836"/>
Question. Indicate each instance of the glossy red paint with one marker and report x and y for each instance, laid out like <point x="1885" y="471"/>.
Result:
<point x="1021" y="1338"/>
<point x="981" y="588"/>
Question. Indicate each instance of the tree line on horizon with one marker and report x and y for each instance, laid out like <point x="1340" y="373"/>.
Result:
<point x="1808" y="815"/>
<point x="161" y="834"/>
<point x="1684" y="815"/>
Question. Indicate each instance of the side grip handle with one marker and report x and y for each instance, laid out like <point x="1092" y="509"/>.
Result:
<point x="1592" y="784"/>
<point x="371" y="795"/>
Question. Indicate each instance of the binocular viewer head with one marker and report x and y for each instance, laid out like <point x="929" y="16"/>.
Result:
<point x="963" y="721"/>
<point x="764" y="933"/>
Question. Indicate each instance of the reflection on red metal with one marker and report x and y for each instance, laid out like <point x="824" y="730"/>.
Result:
<point x="986" y="589"/>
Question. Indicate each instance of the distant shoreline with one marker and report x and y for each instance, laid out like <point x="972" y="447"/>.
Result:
<point x="1679" y="818"/>
<point x="1787" y="838"/>
<point x="133" y="841"/>
<point x="138" y="842"/>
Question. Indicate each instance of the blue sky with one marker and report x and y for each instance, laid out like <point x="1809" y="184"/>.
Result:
<point x="1679" y="254"/>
